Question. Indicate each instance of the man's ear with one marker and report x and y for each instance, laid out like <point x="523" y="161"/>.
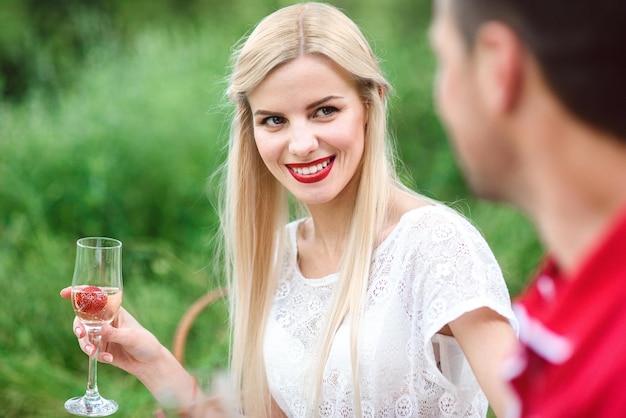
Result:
<point x="499" y="57"/>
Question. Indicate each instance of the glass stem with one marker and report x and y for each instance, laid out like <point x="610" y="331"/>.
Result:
<point x="92" y="381"/>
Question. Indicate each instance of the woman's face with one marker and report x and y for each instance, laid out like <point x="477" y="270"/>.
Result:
<point x="309" y="125"/>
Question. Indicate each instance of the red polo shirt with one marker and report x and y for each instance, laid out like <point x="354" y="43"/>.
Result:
<point x="573" y="332"/>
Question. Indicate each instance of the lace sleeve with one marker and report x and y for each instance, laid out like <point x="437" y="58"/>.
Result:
<point x="458" y="270"/>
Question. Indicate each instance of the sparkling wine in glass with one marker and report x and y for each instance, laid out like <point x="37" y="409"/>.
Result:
<point x="96" y="298"/>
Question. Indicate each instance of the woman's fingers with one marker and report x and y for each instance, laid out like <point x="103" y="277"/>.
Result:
<point x="81" y="334"/>
<point x="87" y="346"/>
<point x="79" y="328"/>
<point x="66" y="293"/>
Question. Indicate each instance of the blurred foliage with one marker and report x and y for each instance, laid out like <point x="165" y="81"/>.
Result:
<point x="43" y="43"/>
<point x="112" y="122"/>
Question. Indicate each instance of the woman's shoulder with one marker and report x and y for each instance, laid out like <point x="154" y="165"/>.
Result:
<point x="432" y="225"/>
<point x="410" y="211"/>
<point x="437" y="213"/>
<point x="408" y="204"/>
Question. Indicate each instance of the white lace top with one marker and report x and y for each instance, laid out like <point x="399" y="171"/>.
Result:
<point x="433" y="267"/>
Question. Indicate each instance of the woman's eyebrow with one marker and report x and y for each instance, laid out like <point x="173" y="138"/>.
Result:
<point x="265" y="113"/>
<point x="322" y="101"/>
<point x="316" y="103"/>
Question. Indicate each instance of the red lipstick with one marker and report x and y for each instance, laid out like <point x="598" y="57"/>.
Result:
<point x="303" y="172"/>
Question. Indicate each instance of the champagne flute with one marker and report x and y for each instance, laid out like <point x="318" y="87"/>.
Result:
<point x="96" y="299"/>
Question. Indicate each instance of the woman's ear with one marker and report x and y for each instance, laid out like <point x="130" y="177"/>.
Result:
<point x="499" y="56"/>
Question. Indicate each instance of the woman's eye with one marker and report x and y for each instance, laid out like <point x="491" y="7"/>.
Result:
<point x="273" y="121"/>
<point x="326" y="111"/>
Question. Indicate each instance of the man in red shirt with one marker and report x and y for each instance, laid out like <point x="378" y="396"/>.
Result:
<point x="532" y="94"/>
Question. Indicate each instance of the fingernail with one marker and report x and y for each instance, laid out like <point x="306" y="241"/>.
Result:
<point x="77" y="332"/>
<point x="90" y="349"/>
<point x="107" y="358"/>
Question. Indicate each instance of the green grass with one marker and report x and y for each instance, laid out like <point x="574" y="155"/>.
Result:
<point x="127" y="152"/>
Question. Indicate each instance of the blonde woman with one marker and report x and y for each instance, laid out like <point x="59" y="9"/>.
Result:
<point x="371" y="300"/>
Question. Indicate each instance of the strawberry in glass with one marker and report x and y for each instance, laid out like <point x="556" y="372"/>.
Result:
<point x="96" y="305"/>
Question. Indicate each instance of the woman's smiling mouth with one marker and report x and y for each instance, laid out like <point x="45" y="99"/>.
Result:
<point x="311" y="172"/>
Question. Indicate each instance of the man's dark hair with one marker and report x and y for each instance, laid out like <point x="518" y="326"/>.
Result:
<point x="580" y="46"/>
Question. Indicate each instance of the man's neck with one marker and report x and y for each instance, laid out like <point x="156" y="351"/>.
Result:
<point x="577" y="194"/>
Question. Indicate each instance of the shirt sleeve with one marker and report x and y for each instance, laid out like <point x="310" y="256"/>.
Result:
<point x="455" y="272"/>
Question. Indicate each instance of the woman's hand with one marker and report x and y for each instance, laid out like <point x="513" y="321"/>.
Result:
<point x="125" y="343"/>
<point x="128" y="345"/>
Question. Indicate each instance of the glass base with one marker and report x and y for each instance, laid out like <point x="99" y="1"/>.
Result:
<point x="95" y="406"/>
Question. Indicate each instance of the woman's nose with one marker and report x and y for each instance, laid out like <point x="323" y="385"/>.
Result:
<point x="302" y="141"/>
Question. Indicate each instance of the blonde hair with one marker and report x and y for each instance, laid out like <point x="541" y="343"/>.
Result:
<point x="257" y="206"/>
